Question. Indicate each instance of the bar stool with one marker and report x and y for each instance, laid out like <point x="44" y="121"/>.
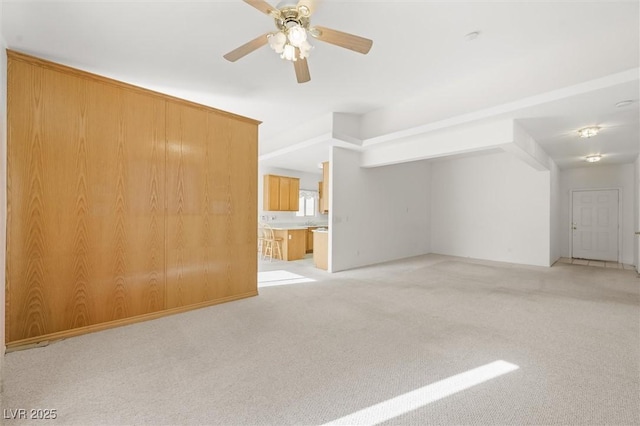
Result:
<point x="261" y="239"/>
<point x="271" y="243"/>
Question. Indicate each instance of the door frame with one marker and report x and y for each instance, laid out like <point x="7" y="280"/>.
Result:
<point x="619" y="216"/>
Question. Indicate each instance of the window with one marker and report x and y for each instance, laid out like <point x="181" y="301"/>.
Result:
<point x="307" y="203"/>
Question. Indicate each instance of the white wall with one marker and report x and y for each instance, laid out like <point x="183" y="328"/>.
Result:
<point x="308" y="181"/>
<point x="555" y="251"/>
<point x="492" y="207"/>
<point x="378" y="214"/>
<point x="598" y="177"/>
<point x="636" y="212"/>
<point x="3" y="187"/>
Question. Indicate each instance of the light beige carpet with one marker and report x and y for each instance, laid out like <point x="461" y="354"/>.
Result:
<point x="316" y="351"/>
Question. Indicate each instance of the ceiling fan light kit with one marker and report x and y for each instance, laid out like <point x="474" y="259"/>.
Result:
<point x="291" y="40"/>
<point x="291" y="44"/>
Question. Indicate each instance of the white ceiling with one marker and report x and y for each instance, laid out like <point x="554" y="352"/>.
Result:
<point x="421" y="70"/>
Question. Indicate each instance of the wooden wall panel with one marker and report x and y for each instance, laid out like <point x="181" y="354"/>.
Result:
<point x="126" y="210"/>
<point x="122" y="203"/>
<point x="187" y="274"/>
<point x="27" y="240"/>
<point x="86" y="185"/>
<point x="211" y="205"/>
<point x="235" y="203"/>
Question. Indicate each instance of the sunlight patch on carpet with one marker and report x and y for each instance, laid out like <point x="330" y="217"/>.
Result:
<point x="413" y="400"/>
<point x="275" y="278"/>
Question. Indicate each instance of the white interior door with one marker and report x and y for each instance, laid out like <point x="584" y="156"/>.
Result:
<point x="595" y="224"/>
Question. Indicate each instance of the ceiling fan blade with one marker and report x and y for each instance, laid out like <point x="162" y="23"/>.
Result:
<point x="263" y="7"/>
<point x="247" y="48"/>
<point x="346" y="40"/>
<point x="302" y="70"/>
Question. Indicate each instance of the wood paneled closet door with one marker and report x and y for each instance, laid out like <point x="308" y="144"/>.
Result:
<point x="85" y="202"/>
<point x="211" y="206"/>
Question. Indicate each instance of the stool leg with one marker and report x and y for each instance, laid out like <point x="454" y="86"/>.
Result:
<point x="279" y="251"/>
<point x="268" y="251"/>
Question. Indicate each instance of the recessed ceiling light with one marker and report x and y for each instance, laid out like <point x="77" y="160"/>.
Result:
<point x="589" y="132"/>
<point x="472" y="36"/>
<point x="593" y="158"/>
<point x="623" y="104"/>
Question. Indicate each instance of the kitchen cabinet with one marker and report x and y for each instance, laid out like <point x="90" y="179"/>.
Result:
<point x="310" y="238"/>
<point x="281" y="193"/>
<point x="323" y="189"/>
<point x="294" y="243"/>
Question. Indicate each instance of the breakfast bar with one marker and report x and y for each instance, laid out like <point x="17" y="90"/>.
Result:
<point x="293" y="241"/>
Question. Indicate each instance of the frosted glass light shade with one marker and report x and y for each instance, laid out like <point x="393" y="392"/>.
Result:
<point x="297" y="35"/>
<point x="305" y="48"/>
<point x="289" y="53"/>
<point x="277" y="41"/>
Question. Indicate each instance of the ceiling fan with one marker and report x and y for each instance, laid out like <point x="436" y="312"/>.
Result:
<point x="290" y="40"/>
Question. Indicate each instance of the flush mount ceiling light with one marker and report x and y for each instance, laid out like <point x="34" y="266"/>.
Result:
<point x="593" y="158"/>
<point x="589" y="132"/>
<point x="472" y="36"/>
<point x="623" y="104"/>
<point x="293" y="28"/>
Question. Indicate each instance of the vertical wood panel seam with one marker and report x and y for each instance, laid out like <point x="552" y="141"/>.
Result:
<point x="166" y="203"/>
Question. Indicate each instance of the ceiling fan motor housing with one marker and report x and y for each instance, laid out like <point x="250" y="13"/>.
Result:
<point x="289" y="17"/>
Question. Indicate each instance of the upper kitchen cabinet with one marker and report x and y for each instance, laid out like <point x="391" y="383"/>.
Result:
<point x="323" y="189"/>
<point x="281" y="193"/>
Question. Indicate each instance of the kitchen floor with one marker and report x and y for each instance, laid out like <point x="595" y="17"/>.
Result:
<point x="597" y="263"/>
<point x="267" y="264"/>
